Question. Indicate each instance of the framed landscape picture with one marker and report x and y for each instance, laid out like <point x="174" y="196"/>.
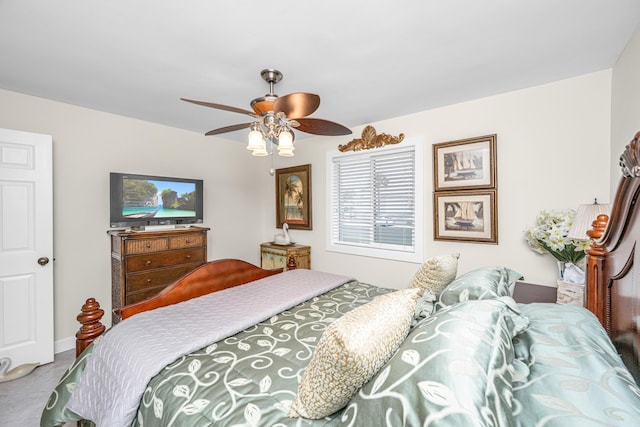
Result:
<point x="469" y="216"/>
<point x="293" y="197"/>
<point x="465" y="164"/>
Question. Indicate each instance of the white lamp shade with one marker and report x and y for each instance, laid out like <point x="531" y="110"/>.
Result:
<point x="256" y="142"/>
<point x="585" y="216"/>
<point x="260" y="152"/>
<point x="285" y="140"/>
<point x="285" y="153"/>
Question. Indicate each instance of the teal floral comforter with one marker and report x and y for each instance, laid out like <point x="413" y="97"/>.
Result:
<point x="473" y="363"/>
<point x="569" y="373"/>
<point x="247" y="379"/>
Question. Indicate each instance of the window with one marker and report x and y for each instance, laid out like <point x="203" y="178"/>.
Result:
<point x="375" y="202"/>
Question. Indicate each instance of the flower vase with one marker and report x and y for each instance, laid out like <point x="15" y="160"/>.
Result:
<point x="561" y="267"/>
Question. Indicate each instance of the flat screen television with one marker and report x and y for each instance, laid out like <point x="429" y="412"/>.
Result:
<point x="140" y="201"/>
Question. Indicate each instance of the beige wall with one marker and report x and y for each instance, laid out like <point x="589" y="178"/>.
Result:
<point x="553" y="153"/>
<point x="87" y="145"/>
<point x="625" y="103"/>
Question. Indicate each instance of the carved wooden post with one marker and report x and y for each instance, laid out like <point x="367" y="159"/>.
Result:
<point x="91" y="328"/>
<point x="596" y="298"/>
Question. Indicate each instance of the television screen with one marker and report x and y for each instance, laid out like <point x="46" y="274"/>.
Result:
<point x="145" y="200"/>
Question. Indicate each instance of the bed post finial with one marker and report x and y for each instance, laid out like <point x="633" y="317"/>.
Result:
<point x="91" y="328"/>
<point x="596" y="297"/>
<point x="597" y="230"/>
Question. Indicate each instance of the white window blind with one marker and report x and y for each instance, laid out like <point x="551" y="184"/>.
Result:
<point x="373" y="203"/>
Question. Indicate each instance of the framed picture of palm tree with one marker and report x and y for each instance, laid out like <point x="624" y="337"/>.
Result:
<point x="293" y="197"/>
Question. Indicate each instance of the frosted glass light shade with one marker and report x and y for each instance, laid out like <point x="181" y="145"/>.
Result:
<point x="584" y="218"/>
<point x="256" y="142"/>
<point x="285" y="153"/>
<point x="285" y="140"/>
<point x="262" y="151"/>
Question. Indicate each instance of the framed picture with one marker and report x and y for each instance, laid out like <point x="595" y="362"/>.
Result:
<point x="469" y="216"/>
<point x="293" y="197"/>
<point x="465" y="164"/>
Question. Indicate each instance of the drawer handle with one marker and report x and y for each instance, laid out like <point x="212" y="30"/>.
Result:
<point x="148" y="280"/>
<point x="188" y="241"/>
<point x="188" y="256"/>
<point x="148" y="245"/>
<point x="148" y="263"/>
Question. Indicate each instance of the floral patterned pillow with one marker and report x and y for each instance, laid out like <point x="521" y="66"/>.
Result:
<point x="478" y="284"/>
<point x="351" y="351"/>
<point x="453" y="369"/>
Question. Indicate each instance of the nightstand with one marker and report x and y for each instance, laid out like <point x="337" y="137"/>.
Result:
<point x="571" y="293"/>
<point x="529" y="292"/>
<point x="274" y="256"/>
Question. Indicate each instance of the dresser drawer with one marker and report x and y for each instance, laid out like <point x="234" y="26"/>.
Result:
<point x="144" y="262"/>
<point x="274" y="251"/>
<point x="144" y="246"/>
<point x="155" y="278"/>
<point x="187" y="241"/>
<point x="135" y="297"/>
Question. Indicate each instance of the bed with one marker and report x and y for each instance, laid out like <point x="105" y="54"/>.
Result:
<point x="231" y="344"/>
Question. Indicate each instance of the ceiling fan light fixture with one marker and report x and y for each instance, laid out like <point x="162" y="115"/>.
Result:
<point x="285" y="139"/>
<point x="264" y="104"/>
<point x="285" y="143"/>
<point x="274" y="117"/>
<point x="285" y="152"/>
<point x="256" y="141"/>
<point x="260" y="152"/>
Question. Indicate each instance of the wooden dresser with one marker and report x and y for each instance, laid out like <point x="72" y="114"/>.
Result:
<point x="274" y="256"/>
<point x="145" y="262"/>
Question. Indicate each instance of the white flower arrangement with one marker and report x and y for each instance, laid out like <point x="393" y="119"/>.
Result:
<point x="550" y="235"/>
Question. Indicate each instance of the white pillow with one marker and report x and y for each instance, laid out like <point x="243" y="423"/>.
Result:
<point x="436" y="273"/>
<point x="351" y="351"/>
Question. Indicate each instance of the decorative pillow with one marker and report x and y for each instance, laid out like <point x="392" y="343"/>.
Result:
<point x="482" y="283"/>
<point x="453" y="369"/>
<point x="436" y="273"/>
<point x="351" y="350"/>
<point x="425" y="306"/>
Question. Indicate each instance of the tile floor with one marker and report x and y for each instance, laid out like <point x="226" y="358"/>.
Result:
<point x="22" y="400"/>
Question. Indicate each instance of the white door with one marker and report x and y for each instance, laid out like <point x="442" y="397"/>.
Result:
<point x="26" y="247"/>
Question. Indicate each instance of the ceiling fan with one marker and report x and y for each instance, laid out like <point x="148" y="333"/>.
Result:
<point x="274" y="117"/>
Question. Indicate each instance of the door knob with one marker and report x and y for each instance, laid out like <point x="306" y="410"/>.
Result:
<point x="43" y="260"/>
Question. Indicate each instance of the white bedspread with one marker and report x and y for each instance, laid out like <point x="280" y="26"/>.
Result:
<point x="137" y="349"/>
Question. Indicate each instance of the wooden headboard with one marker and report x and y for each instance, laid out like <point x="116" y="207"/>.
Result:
<point x="612" y="273"/>
<point x="212" y="276"/>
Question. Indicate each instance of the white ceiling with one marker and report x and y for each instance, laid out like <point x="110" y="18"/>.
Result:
<point x="368" y="60"/>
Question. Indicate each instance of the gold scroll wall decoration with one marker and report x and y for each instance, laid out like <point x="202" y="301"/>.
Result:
<point x="370" y="140"/>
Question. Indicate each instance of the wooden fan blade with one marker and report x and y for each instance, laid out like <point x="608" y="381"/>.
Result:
<point x="299" y="104"/>
<point x="221" y="107"/>
<point x="228" y="129"/>
<point x="322" y="127"/>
